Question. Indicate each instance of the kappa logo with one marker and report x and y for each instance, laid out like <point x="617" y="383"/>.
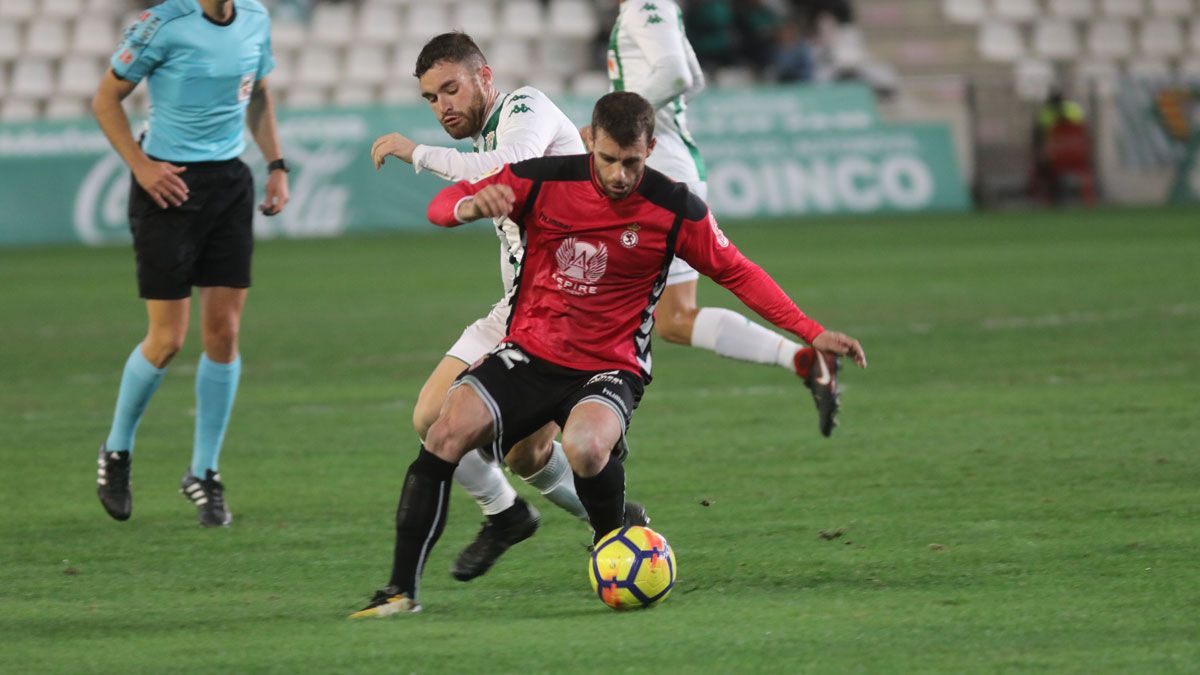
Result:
<point x="722" y="240"/>
<point x="126" y="57"/>
<point x="580" y="266"/>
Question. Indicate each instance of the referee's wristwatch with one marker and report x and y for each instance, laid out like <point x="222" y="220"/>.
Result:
<point x="278" y="164"/>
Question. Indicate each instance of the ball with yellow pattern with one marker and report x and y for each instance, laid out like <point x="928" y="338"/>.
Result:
<point x="632" y="568"/>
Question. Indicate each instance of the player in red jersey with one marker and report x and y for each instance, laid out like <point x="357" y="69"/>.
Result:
<point x="600" y="232"/>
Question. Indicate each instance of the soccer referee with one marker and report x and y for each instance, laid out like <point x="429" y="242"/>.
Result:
<point x="191" y="207"/>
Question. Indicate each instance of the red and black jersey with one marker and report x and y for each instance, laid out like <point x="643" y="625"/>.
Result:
<point x="594" y="269"/>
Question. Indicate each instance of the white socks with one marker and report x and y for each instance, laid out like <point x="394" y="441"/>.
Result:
<point x="556" y="483"/>
<point x="735" y="337"/>
<point x="486" y="483"/>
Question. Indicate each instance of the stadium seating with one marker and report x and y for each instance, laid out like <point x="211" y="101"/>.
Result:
<point x="46" y="37"/>
<point x="1110" y="39"/>
<point x="1180" y="9"/>
<point x="1123" y="9"/>
<point x="32" y="79"/>
<point x="1017" y="10"/>
<point x="1072" y="9"/>
<point x="17" y="9"/>
<point x="62" y="9"/>
<point x="362" y="51"/>
<point x="77" y="77"/>
<point x="52" y="52"/>
<point x="521" y="18"/>
<point x="65" y="108"/>
<point x="94" y="35"/>
<point x="1090" y="43"/>
<point x="1000" y="41"/>
<point x="10" y="42"/>
<point x="965" y="11"/>
<point x="15" y="110"/>
<point x="1056" y="39"/>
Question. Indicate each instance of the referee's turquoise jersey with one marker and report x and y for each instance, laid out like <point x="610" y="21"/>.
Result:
<point x="200" y="75"/>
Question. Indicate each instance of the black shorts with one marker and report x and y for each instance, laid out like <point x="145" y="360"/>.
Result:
<point x="524" y="392"/>
<point x="206" y="241"/>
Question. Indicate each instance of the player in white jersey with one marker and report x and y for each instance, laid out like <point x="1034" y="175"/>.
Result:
<point x="505" y="128"/>
<point x="648" y="53"/>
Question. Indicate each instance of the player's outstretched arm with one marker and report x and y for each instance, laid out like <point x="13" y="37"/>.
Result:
<point x="499" y="194"/>
<point x="491" y="202"/>
<point x="527" y="128"/>
<point x="451" y="164"/>
<point x="704" y="246"/>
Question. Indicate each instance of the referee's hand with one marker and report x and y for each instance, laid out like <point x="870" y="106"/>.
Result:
<point x="161" y="181"/>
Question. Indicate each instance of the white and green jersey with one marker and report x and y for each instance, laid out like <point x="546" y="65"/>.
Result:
<point x="521" y="125"/>
<point x="648" y="53"/>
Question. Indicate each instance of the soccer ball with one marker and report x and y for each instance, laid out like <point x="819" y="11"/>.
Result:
<point x="632" y="568"/>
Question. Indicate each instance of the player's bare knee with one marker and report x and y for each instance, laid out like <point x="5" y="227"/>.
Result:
<point x="587" y="454"/>
<point x="675" y="324"/>
<point x="160" y="347"/>
<point x="425" y="413"/>
<point x="530" y="455"/>
<point x="672" y="332"/>
<point x="447" y="440"/>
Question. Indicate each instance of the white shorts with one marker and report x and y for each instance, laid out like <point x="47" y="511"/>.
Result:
<point x="680" y="271"/>
<point x="480" y="337"/>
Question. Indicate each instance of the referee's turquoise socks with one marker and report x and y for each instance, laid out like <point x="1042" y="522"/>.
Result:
<point x="139" y="381"/>
<point x="216" y="387"/>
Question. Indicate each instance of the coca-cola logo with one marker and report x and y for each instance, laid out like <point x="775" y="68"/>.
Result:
<point x="319" y="205"/>
<point x="101" y="204"/>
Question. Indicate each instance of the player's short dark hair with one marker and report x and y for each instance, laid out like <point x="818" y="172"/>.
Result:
<point x="455" y="47"/>
<point x="625" y="116"/>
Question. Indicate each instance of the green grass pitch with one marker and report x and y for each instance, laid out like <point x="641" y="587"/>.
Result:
<point x="1014" y="486"/>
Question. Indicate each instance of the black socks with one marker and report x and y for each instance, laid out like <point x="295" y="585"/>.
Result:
<point x="420" y="518"/>
<point x="603" y="495"/>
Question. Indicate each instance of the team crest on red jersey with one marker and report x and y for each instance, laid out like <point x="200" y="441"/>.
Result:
<point x="580" y="266"/>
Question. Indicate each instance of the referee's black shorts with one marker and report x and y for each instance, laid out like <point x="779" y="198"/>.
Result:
<point x="206" y="241"/>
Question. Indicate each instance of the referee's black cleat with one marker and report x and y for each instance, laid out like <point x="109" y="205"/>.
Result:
<point x="820" y="370"/>
<point x="387" y="602"/>
<point x="499" y="532"/>
<point x="112" y="482"/>
<point x="208" y="494"/>
<point x="635" y="514"/>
